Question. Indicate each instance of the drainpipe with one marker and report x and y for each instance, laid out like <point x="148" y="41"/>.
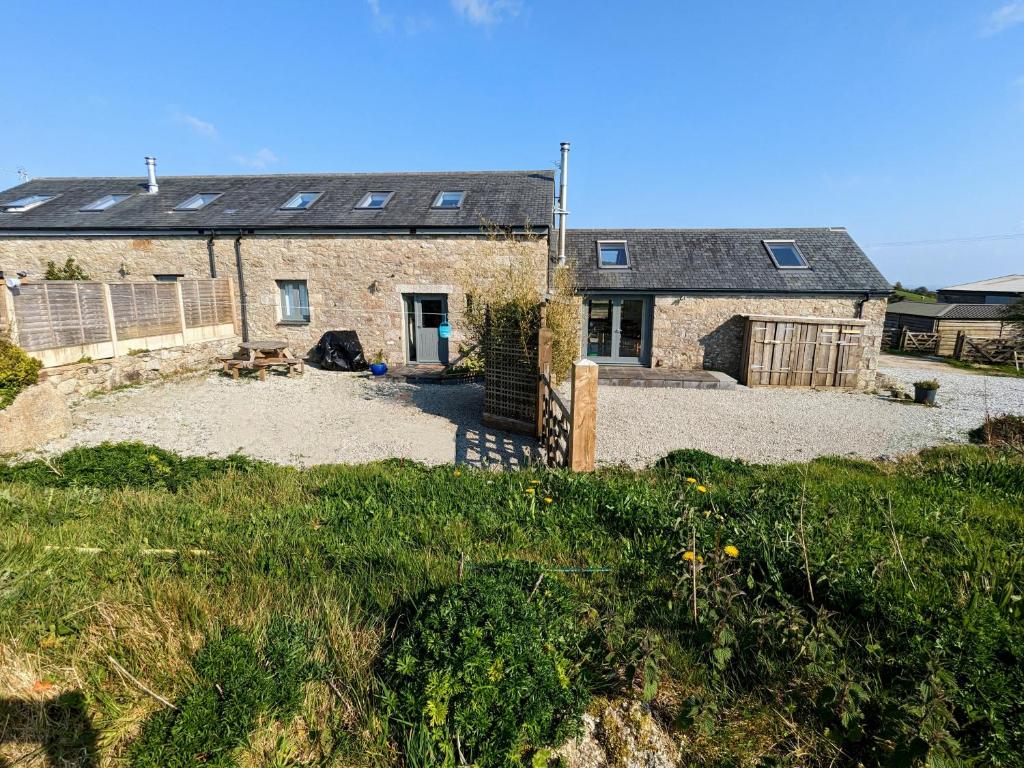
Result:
<point x="243" y="300"/>
<point x="859" y="314"/>
<point x="563" y="208"/>
<point x="213" y="259"/>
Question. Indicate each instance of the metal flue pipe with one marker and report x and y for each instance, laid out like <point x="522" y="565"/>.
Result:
<point x="563" y="203"/>
<point x="151" y="186"/>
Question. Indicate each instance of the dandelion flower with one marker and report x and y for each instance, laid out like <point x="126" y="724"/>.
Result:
<point x="535" y="482"/>
<point x="731" y="551"/>
<point x="702" y="489"/>
<point x="548" y="500"/>
<point x="692" y="480"/>
<point x="457" y="472"/>
<point x="687" y="555"/>
<point x="700" y="559"/>
<point x="531" y="490"/>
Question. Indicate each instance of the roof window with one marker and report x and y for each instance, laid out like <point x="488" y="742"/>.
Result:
<point x="375" y="200"/>
<point x="105" y="202"/>
<point x="612" y="254"/>
<point x="23" y="204"/>
<point x="449" y="200"/>
<point x="196" y="202"/>
<point x="301" y="201"/>
<point x="785" y="254"/>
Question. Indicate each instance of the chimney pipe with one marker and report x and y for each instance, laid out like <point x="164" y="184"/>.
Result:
<point x="563" y="209"/>
<point x="151" y="186"/>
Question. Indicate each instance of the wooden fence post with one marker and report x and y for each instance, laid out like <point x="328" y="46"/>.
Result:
<point x="958" y="346"/>
<point x="583" y="437"/>
<point x="544" y="343"/>
<point x="181" y="310"/>
<point x="903" y="339"/>
<point x="108" y="304"/>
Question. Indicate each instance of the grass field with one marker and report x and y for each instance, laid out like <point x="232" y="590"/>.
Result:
<point x="905" y="295"/>
<point x="822" y="614"/>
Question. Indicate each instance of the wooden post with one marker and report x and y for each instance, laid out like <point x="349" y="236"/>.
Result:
<point x="544" y="343"/>
<point x="181" y="310"/>
<point x="903" y="339"/>
<point x="583" y="437"/>
<point x="108" y="305"/>
<point x="958" y="346"/>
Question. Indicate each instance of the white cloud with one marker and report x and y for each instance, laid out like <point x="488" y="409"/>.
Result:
<point x="486" y="13"/>
<point x="201" y="127"/>
<point x="381" y="20"/>
<point x="408" y="24"/>
<point x="257" y="161"/>
<point x="1009" y="15"/>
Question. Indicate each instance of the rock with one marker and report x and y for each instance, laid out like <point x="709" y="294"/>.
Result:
<point x="37" y="416"/>
<point x="620" y="734"/>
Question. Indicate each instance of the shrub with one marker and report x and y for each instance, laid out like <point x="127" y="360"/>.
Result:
<point x="1003" y="431"/>
<point x="927" y="384"/>
<point x="489" y="667"/>
<point x="236" y="684"/>
<point x="122" y="465"/>
<point x="17" y="371"/>
<point x="69" y="270"/>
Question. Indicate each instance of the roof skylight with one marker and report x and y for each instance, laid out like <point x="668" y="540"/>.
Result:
<point x="449" y="200"/>
<point x="375" y="200"/>
<point x="612" y="254"/>
<point x="785" y="254"/>
<point x="301" y="201"/>
<point x="196" y="202"/>
<point x="105" y="202"/>
<point x="27" y="203"/>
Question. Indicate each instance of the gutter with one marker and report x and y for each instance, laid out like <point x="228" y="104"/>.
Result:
<point x="211" y="231"/>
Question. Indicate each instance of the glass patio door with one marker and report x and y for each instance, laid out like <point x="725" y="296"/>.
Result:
<point x="616" y="329"/>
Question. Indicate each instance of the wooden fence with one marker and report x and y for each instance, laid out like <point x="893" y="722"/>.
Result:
<point x="567" y="433"/>
<point x="62" y="322"/>
<point x="1004" y="351"/>
<point x="802" y="351"/>
<point x="911" y="341"/>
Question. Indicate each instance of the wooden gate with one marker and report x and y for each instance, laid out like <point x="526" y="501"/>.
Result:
<point x="567" y="433"/>
<point x="781" y="351"/>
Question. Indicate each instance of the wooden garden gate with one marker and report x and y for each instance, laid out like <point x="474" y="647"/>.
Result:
<point x="780" y="351"/>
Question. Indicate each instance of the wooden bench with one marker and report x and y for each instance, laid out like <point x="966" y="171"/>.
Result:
<point x="235" y="366"/>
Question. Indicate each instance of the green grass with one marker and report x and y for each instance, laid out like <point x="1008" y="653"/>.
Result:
<point x="911" y="644"/>
<point x="901" y="294"/>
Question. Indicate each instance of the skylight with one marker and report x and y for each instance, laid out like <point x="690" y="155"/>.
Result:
<point x="449" y="200"/>
<point x="23" y="204"/>
<point x="612" y="254"/>
<point x="785" y="254"/>
<point x="301" y="201"/>
<point x="375" y="200"/>
<point x="196" y="202"/>
<point x="107" y="201"/>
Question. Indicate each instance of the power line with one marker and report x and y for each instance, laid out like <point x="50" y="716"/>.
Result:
<point x="943" y="241"/>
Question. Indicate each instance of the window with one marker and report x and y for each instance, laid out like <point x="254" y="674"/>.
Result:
<point x="785" y="254"/>
<point x="375" y="200"/>
<point x="167" y="278"/>
<point x="301" y="201"/>
<point x="612" y="254"/>
<point x="26" y="203"/>
<point x="107" y="201"/>
<point x="294" y="301"/>
<point x="449" y="200"/>
<point x="196" y="202"/>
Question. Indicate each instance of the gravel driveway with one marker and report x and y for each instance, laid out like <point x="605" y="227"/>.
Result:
<point x="335" y="417"/>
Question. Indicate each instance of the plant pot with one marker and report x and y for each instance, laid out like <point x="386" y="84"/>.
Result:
<point x="379" y="369"/>
<point x="924" y="396"/>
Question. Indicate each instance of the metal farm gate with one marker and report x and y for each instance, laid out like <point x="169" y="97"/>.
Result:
<point x="802" y="351"/>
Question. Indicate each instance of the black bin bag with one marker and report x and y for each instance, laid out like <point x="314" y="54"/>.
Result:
<point x="340" y="351"/>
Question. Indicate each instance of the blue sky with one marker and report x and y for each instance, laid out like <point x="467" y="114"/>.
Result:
<point x="903" y="121"/>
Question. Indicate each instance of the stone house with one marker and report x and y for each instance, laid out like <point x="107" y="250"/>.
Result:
<point x="395" y="256"/>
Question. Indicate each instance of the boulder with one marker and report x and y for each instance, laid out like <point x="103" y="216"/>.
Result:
<point x="620" y="734"/>
<point x="37" y="416"/>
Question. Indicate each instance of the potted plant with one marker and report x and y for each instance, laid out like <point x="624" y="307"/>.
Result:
<point x="924" y="391"/>
<point x="378" y="363"/>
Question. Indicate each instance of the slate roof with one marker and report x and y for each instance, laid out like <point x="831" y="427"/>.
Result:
<point x="947" y="311"/>
<point x="506" y="198"/>
<point x="1005" y="284"/>
<point x="724" y="260"/>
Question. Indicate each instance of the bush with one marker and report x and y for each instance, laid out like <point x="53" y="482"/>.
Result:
<point x="17" y="371"/>
<point x="1003" y="431"/>
<point x="490" y="667"/>
<point x="69" y="270"/>
<point x="237" y="683"/>
<point x="122" y="465"/>
<point x="927" y="384"/>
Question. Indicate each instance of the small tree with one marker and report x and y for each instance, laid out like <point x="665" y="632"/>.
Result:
<point x="17" y="371"/>
<point x="69" y="270"/>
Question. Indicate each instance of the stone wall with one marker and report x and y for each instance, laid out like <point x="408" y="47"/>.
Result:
<point x="82" y="379"/>
<point x="354" y="282"/>
<point x="706" y="332"/>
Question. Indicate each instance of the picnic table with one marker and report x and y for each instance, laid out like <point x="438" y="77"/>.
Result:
<point x="261" y="355"/>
